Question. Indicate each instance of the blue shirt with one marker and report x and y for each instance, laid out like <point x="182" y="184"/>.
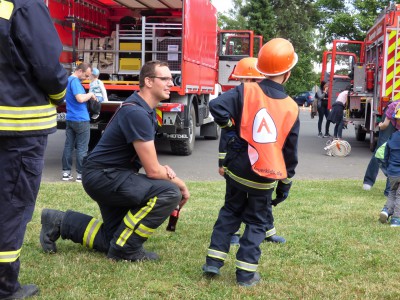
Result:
<point x="76" y="111"/>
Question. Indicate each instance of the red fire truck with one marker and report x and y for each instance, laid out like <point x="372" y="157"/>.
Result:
<point x="119" y="36"/>
<point x="373" y="66"/>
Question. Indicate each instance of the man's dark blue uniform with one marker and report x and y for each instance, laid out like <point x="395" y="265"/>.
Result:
<point x="32" y="82"/>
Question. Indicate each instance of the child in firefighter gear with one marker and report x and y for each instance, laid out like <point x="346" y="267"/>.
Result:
<point x="392" y="163"/>
<point x="262" y="129"/>
<point x="133" y="205"/>
<point x="245" y="71"/>
<point x="32" y="83"/>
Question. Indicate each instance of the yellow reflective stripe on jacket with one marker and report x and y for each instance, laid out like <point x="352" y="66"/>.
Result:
<point x="217" y="254"/>
<point x="90" y="233"/>
<point x="221" y="155"/>
<point x="270" y="232"/>
<point x="131" y="222"/>
<point x="27" y="118"/>
<point x="58" y="96"/>
<point x="249" y="183"/>
<point x="227" y="125"/>
<point x="9" y="256"/>
<point x="246" y="266"/>
<point x="286" y="180"/>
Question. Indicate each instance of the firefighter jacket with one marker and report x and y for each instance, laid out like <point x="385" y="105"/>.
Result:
<point x="227" y="111"/>
<point x="32" y="80"/>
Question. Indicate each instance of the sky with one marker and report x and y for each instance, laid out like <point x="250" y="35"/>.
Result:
<point x="222" y="5"/>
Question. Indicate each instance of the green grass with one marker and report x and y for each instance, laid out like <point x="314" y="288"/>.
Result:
<point x="336" y="249"/>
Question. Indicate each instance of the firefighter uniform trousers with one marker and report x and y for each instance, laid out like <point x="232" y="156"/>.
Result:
<point x="132" y="208"/>
<point x="21" y="160"/>
<point x="252" y="210"/>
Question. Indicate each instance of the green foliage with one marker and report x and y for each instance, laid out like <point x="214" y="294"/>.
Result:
<point x="336" y="249"/>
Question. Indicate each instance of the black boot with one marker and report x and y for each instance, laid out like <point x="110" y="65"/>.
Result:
<point x="138" y="255"/>
<point x="51" y="229"/>
<point x="25" y="291"/>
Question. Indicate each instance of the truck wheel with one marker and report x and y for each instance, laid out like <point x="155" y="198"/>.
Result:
<point x="360" y="134"/>
<point x="94" y="138"/>
<point x="186" y="147"/>
<point x="215" y="131"/>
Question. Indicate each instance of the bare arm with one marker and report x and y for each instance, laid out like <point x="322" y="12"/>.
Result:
<point x="84" y="97"/>
<point x="154" y="170"/>
<point x="383" y="125"/>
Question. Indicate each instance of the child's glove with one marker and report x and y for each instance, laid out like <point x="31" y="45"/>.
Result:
<point x="282" y="192"/>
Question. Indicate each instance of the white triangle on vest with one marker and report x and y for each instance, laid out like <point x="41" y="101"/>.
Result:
<point x="264" y="129"/>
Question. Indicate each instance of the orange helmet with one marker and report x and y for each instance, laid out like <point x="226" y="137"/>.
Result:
<point x="246" y="68"/>
<point x="276" y="57"/>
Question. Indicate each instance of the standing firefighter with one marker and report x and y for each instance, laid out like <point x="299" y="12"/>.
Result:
<point x="32" y="82"/>
<point x="262" y="123"/>
<point x="246" y="71"/>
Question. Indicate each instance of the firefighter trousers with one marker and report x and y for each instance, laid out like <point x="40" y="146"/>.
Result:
<point x="132" y="206"/>
<point x="22" y="161"/>
<point x="254" y="211"/>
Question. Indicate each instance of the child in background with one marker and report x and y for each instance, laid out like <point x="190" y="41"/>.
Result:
<point x="97" y="88"/>
<point x="392" y="161"/>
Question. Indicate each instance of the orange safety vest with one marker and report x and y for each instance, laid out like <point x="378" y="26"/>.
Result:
<point x="265" y="125"/>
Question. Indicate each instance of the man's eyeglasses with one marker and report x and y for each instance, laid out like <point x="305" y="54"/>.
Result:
<point x="165" y="79"/>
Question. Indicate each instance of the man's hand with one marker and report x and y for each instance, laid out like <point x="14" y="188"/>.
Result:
<point x="221" y="171"/>
<point x="170" y="173"/>
<point x="185" y="195"/>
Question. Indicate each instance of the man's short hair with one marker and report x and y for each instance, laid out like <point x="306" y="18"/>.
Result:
<point x="83" y="66"/>
<point x="148" y="70"/>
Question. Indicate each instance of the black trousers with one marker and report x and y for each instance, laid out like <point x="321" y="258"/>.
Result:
<point x="132" y="206"/>
<point x="21" y="161"/>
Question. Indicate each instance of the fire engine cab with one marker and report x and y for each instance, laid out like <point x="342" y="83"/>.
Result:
<point x="119" y="36"/>
<point x="373" y="68"/>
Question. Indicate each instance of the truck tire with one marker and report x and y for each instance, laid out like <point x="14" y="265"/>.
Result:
<point x="360" y="133"/>
<point x="94" y="138"/>
<point x="185" y="147"/>
<point x="216" y="130"/>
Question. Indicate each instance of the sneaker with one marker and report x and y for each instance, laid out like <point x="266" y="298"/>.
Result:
<point x="327" y="135"/>
<point x="320" y="135"/>
<point x="256" y="279"/>
<point x="95" y="116"/>
<point x="395" y="222"/>
<point x="210" y="271"/>
<point x="25" y="291"/>
<point x="67" y="176"/>
<point x="366" y="187"/>
<point x="79" y="178"/>
<point x="139" y="255"/>
<point x="235" y="240"/>
<point x="384" y="216"/>
<point x="275" y="239"/>
<point x="51" y="229"/>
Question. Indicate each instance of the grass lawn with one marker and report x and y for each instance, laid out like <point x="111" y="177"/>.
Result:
<point x="336" y="249"/>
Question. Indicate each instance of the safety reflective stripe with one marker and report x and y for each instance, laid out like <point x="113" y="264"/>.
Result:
<point x="90" y="233"/>
<point x="221" y="155"/>
<point x="286" y="180"/>
<point x="131" y="222"/>
<point x="246" y="266"/>
<point x="27" y="118"/>
<point x="9" y="256"/>
<point x="252" y="184"/>
<point x="217" y="254"/>
<point x="144" y="231"/>
<point x="58" y="96"/>
<point x="270" y="232"/>
<point x="227" y="125"/>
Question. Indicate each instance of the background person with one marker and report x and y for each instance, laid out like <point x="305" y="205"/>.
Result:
<point x="323" y="110"/>
<point x="132" y="205"/>
<point x="77" y="129"/>
<point x="246" y="71"/>
<point x="263" y="129"/>
<point x="32" y="82"/>
<point x="336" y="113"/>
<point x="96" y="86"/>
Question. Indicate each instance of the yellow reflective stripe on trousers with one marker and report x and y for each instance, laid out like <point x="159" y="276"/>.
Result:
<point x="249" y="183"/>
<point x="286" y="180"/>
<point x="246" y="266"/>
<point x="217" y="254"/>
<point x="9" y="256"/>
<point x="58" y="96"/>
<point x="90" y="233"/>
<point x="131" y="221"/>
<point x="27" y="118"/>
<point x="270" y="232"/>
